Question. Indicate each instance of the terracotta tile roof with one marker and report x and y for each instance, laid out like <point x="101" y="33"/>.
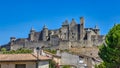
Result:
<point x="52" y="54"/>
<point x="42" y="57"/>
<point x="21" y="57"/>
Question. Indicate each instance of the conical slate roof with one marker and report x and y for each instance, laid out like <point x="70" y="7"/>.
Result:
<point x="44" y="26"/>
<point x="65" y="23"/>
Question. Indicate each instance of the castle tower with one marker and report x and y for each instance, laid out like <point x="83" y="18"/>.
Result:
<point x="65" y="30"/>
<point x="31" y="35"/>
<point x="81" y="28"/>
<point x="97" y="30"/>
<point x="45" y="33"/>
<point x="88" y="37"/>
<point x="12" y="39"/>
<point x="73" y="31"/>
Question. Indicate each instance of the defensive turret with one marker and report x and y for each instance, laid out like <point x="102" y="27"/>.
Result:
<point x="97" y="30"/>
<point x="45" y="33"/>
<point x="31" y="35"/>
<point x="81" y="28"/>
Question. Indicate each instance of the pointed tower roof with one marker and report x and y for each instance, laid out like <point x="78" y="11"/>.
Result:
<point x="73" y="22"/>
<point x="65" y="23"/>
<point x="73" y="19"/>
<point x="88" y="30"/>
<point x="32" y="29"/>
<point x="44" y="27"/>
<point x="96" y="27"/>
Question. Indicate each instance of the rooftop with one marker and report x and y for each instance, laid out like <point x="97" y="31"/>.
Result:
<point x="21" y="57"/>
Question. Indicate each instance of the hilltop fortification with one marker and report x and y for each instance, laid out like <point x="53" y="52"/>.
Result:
<point x="69" y="35"/>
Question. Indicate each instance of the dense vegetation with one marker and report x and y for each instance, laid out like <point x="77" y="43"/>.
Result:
<point x="66" y="66"/>
<point x="110" y="51"/>
<point x="19" y="51"/>
<point x="51" y="51"/>
<point x="52" y="64"/>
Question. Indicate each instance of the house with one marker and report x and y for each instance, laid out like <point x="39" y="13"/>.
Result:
<point x="54" y="57"/>
<point x="74" y="60"/>
<point x="23" y="61"/>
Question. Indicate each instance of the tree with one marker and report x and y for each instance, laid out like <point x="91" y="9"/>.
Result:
<point x="3" y="49"/>
<point x="110" y="50"/>
<point x="102" y="65"/>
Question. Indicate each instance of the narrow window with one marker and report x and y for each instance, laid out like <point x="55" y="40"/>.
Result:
<point x="20" y="66"/>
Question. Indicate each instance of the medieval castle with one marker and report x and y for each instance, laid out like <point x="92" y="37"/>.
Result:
<point x="69" y="35"/>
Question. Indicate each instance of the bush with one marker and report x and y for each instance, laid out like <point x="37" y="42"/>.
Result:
<point x="66" y="66"/>
<point x="19" y="51"/>
<point x="52" y="64"/>
<point x="51" y="51"/>
<point x="3" y="49"/>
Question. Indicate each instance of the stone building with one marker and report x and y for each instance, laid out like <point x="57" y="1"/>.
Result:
<point x="67" y="36"/>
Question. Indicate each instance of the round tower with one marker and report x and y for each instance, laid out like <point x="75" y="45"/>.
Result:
<point x="81" y="28"/>
<point x="97" y="30"/>
<point x="89" y="35"/>
<point x="31" y="35"/>
<point x="89" y="38"/>
<point x="12" y="39"/>
<point x="45" y="33"/>
<point x="64" y="30"/>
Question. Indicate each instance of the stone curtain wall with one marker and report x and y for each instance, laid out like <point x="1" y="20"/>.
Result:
<point x="64" y="45"/>
<point x="61" y="44"/>
<point x="30" y="45"/>
<point x="67" y="44"/>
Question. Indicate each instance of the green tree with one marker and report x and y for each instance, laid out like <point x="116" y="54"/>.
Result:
<point x="3" y="49"/>
<point x="102" y="65"/>
<point x="110" y="50"/>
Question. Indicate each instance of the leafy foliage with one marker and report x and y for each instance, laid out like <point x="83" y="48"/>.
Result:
<point x="51" y="51"/>
<point x="52" y="64"/>
<point x="110" y="53"/>
<point x="3" y="49"/>
<point x="102" y="65"/>
<point x="66" y="50"/>
<point x="66" y="66"/>
<point x="19" y="51"/>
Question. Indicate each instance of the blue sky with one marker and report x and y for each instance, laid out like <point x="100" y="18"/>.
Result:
<point x="18" y="16"/>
